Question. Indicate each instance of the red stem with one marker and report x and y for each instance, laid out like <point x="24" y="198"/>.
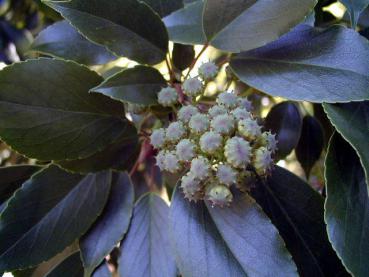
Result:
<point x="195" y="60"/>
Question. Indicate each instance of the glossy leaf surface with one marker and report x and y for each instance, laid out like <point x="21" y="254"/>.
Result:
<point x="309" y="64"/>
<point x="42" y="219"/>
<point x="347" y="206"/>
<point x="125" y="33"/>
<point x="63" y="41"/>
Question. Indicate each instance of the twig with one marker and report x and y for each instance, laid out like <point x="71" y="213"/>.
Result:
<point x="195" y="60"/>
<point x="170" y="71"/>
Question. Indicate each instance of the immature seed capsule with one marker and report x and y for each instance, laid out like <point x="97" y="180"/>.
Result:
<point x="199" y="123"/>
<point x="226" y="175"/>
<point x="268" y="140"/>
<point x="160" y="160"/>
<point x="175" y="131"/>
<point x="191" y="187"/>
<point x="217" y="110"/>
<point x="208" y="71"/>
<point x="157" y="138"/>
<point x="237" y="152"/>
<point x="192" y="87"/>
<point x="185" y="150"/>
<point x="249" y="129"/>
<point x="167" y="97"/>
<point x="171" y="162"/>
<point x="200" y="168"/>
<point x="210" y="142"/>
<point x="262" y="161"/>
<point x="244" y="103"/>
<point x="271" y="141"/>
<point x="223" y="124"/>
<point x="241" y="113"/>
<point x="227" y="99"/>
<point x="219" y="195"/>
<point x="186" y="112"/>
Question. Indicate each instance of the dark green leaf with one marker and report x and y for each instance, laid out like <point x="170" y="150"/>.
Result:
<point x="252" y="239"/>
<point x="55" y="118"/>
<point x="148" y="172"/>
<point x="355" y="8"/>
<point x="164" y="7"/>
<point x="71" y="267"/>
<point x="111" y="226"/>
<point x="297" y="211"/>
<point x="12" y="177"/>
<point x="63" y="41"/>
<point x="183" y="56"/>
<point x="347" y="206"/>
<point x="145" y="249"/>
<point x="285" y="121"/>
<point x="311" y="143"/>
<point x="102" y="271"/>
<point x="352" y="122"/>
<point x="323" y="119"/>
<point x="126" y="27"/>
<point x="309" y="64"/>
<point x="49" y="212"/>
<point x="240" y="25"/>
<point x="120" y="155"/>
<point x="138" y="85"/>
<point x="185" y="25"/>
<point x="198" y="246"/>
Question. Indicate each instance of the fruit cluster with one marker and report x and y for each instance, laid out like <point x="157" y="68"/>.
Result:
<point x="219" y="147"/>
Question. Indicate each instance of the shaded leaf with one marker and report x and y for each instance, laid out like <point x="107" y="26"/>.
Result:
<point x="285" y="121"/>
<point x="252" y="238"/>
<point x="47" y="214"/>
<point x="347" y="206"/>
<point x="56" y="118"/>
<point x="297" y="211"/>
<point x="182" y="56"/>
<point x="111" y="226"/>
<point x="145" y="249"/>
<point x="71" y="267"/>
<point x="323" y="119"/>
<point x="311" y="143"/>
<point x="63" y="41"/>
<point x="102" y="271"/>
<point x="355" y="8"/>
<point x="121" y="26"/>
<point x="147" y="177"/>
<point x="234" y="30"/>
<point x="120" y="155"/>
<point x="352" y="122"/>
<point x="12" y="177"/>
<point x="309" y="64"/>
<point x="138" y="85"/>
<point x="164" y="7"/>
<point x="185" y="25"/>
<point x="198" y="246"/>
